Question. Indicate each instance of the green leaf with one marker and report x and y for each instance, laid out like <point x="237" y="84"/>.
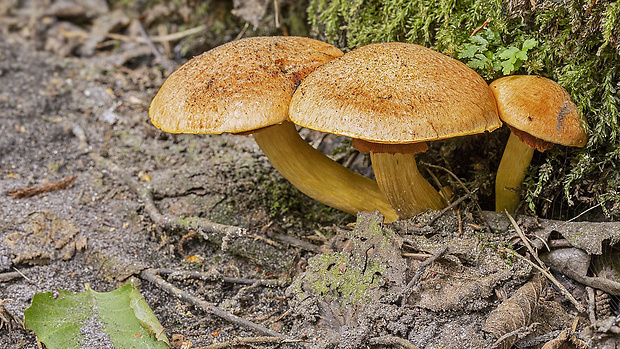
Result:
<point x="469" y="51"/>
<point x="508" y="66"/>
<point x="480" y="41"/>
<point x="528" y="44"/>
<point x="522" y="55"/>
<point x="80" y="320"/>
<point x="508" y="53"/>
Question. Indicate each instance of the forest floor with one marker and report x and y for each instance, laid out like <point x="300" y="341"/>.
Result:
<point x="74" y="125"/>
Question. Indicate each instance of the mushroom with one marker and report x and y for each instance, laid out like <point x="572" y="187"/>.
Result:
<point x="245" y="87"/>
<point x="539" y="113"/>
<point x="392" y="94"/>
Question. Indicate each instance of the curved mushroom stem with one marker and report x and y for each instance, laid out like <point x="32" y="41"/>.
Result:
<point x="510" y="173"/>
<point x="403" y="185"/>
<point x="318" y="176"/>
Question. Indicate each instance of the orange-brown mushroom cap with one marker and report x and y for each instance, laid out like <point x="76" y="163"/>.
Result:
<point x="239" y="86"/>
<point x="539" y="107"/>
<point x="395" y="93"/>
<point x="539" y="113"/>
<point x="245" y="87"/>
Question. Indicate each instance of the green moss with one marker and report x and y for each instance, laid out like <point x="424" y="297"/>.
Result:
<point x="354" y="275"/>
<point x="576" y="45"/>
<point x="338" y="277"/>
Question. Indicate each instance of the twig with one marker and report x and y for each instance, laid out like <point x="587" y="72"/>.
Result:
<point x="444" y="195"/>
<point x="451" y="206"/>
<point x="563" y="289"/>
<point x="276" y="7"/>
<point x="484" y="25"/>
<point x="519" y="332"/>
<point x="525" y="240"/>
<point x="297" y="242"/>
<point x="532" y="342"/>
<point x="591" y="304"/>
<point x="217" y="277"/>
<point x="487" y="226"/>
<point x="32" y="191"/>
<point x="151" y="275"/>
<point x="584" y="212"/>
<point x="160" y="38"/>
<point x="418" y="274"/>
<point x="4" y="277"/>
<point x="542" y="265"/>
<point x="242" y="32"/>
<point x="392" y="341"/>
<point x="250" y="342"/>
<point x="22" y="274"/>
<point x="164" y="61"/>
<point x="203" y="226"/>
<point x="418" y="256"/>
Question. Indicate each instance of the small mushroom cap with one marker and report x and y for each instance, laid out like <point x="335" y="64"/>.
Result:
<point x="395" y="93"/>
<point x="539" y="107"/>
<point x="239" y="86"/>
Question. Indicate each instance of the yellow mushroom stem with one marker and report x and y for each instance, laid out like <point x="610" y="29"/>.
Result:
<point x="404" y="186"/>
<point x="510" y="173"/>
<point x="318" y="176"/>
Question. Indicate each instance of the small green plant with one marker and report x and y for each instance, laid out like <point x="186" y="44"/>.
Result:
<point x="486" y="53"/>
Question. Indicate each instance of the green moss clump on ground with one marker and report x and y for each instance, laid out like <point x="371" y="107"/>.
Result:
<point x="574" y="42"/>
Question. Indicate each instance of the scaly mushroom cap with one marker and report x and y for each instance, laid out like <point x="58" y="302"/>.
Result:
<point x="539" y="107"/>
<point x="237" y="87"/>
<point x="395" y="93"/>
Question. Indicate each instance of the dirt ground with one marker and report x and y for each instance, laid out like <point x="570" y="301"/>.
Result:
<point x="74" y="108"/>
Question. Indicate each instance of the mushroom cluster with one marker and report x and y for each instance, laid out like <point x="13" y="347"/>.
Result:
<point x="392" y="98"/>
<point x="245" y="87"/>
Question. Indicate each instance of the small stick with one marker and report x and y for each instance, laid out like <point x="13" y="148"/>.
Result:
<point x="591" y="304"/>
<point x="252" y="342"/>
<point x="519" y="332"/>
<point x="32" y="191"/>
<point x="419" y="256"/>
<point x="451" y="206"/>
<point x="164" y="61"/>
<point x="160" y="38"/>
<point x="297" y="242"/>
<point x="487" y="226"/>
<point x="203" y="226"/>
<point x="242" y="32"/>
<point x="525" y="240"/>
<point x="392" y="341"/>
<point x="276" y="7"/>
<point x="151" y="275"/>
<point x="418" y="274"/>
<point x="4" y="277"/>
<point x="484" y="25"/>
<point x="444" y="195"/>
<point x="563" y="289"/>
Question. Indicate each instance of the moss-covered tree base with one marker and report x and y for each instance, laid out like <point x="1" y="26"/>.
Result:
<point x="574" y="42"/>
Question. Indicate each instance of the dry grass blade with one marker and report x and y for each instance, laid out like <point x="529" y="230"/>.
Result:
<point x="515" y="313"/>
